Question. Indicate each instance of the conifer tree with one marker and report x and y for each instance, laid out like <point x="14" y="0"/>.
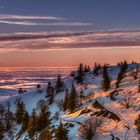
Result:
<point x="65" y="103"/>
<point x="86" y="69"/>
<point x="106" y="79"/>
<point x="20" y="111"/>
<point x="44" y="118"/>
<point x="51" y="96"/>
<point x="81" y="97"/>
<point x="9" y="118"/>
<point x="72" y="99"/>
<point x="61" y="132"/>
<point x="1" y="129"/>
<point x="25" y="122"/>
<point x="59" y="84"/>
<point x="45" y="135"/>
<point x="119" y="78"/>
<point x="49" y="89"/>
<point x="96" y="69"/>
<point x="32" y="127"/>
<point x="80" y="74"/>
<point x="123" y="67"/>
<point x="2" y="111"/>
<point x="39" y="88"/>
<point x="20" y="91"/>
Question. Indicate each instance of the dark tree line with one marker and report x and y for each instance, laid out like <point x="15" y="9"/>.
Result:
<point x="123" y="67"/>
<point x="106" y="79"/>
<point x="71" y="100"/>
<point x="79" y="77"/>
<point x="50" y="93"/>
<point x="61" y="133"/>
<point x="6" y="119"/>
<point x="59" y="84"/>
<point x="96" y="69"/>
<point x="53" y="90"/>
<point x="36" y="124"/>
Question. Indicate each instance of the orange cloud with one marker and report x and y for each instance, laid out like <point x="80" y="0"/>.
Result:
<point x="64" y="40"/>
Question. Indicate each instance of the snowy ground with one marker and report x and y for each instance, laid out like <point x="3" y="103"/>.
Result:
<point x="124" y="129"/>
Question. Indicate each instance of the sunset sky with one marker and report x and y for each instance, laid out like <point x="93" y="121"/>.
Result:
<point x="67" y="32"/>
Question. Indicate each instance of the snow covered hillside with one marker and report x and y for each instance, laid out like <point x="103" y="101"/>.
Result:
<point x="102" y="103"/>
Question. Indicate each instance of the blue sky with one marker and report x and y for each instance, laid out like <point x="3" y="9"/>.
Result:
<point x="100" y="14"/>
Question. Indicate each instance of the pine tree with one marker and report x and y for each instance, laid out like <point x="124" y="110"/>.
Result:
<point x="45" y="135"/>
<point x="1" y="129"/>
<point x="80" y="74"/>
<point x="20" y="111"/>
<point x="72" y="99"/>
<point x="59" y="84"/>
<point x="106" y="79"/>
<point x="81" y="97"/>
<point x="61" y="132"/>
<point x="96" y="69"/>
<point x="65" y="103"/>
<point x="2" y="111"/>
<point x="39" y="88"/>
<point x="49" y="89"/>
<point x="51" y="96"/>
<point x="86" y="69"/>
<point x="32" y="127"/>
<point x="20" y="91"/>
<point x="123" y="67"/>
<point x="44" y="118"/>
<point x="119" y="78"/>
<point x="25" y="122"/>
<point x="9" y="118"/>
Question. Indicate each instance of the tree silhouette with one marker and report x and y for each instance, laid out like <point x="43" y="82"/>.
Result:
<point x="106" y="79"/>
<point x="61" y="132"/>
<point x="20" y="111"/>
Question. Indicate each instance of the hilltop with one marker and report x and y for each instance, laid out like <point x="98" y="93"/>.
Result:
<point x="105" y="99"/>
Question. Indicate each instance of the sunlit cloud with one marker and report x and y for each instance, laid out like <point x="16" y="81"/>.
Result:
<point x="65" y="40"/>
<point x="39" y="21"/>
<point x="28" y="23"/>
<point x="4" y="16"/>
<point x="18" y="22"/>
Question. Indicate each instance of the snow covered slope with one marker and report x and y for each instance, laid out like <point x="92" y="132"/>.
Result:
<point x="112" y="103"/>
